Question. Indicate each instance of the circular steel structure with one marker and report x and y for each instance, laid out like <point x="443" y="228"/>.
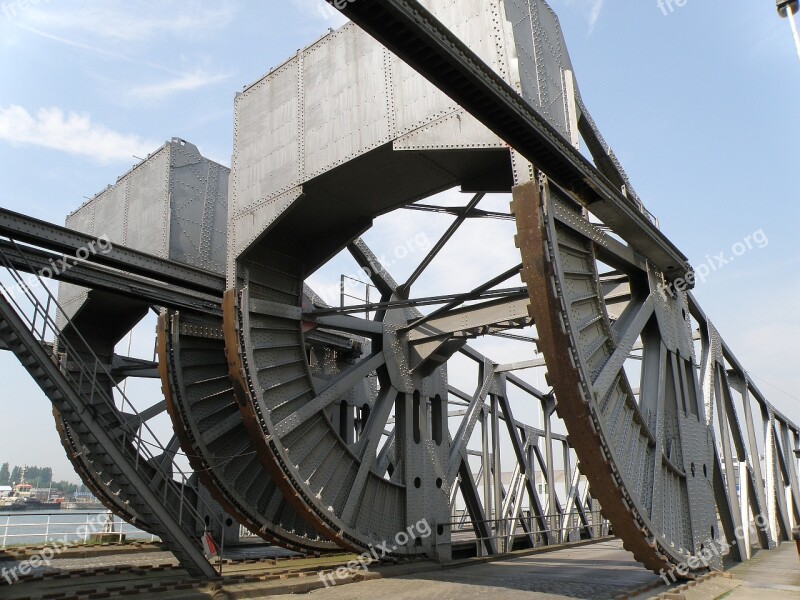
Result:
<point x="647" y="451"/>
<point x="206" y="419"/>
<point x="346" y="440"/>
<point x="336" y="485"/>
<point x="367" y="489"/>
<point x="647" y="455"/>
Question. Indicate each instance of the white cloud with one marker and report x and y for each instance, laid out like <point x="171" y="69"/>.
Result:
<point x="72" y="133"/>
<point x="129" y="21"/>
<point x="183" y="83"/>
<point x="94" y="49"/>
<point x="594" y="13"/>
<point x="592" y="9"/>
<point x="319" y="9"/>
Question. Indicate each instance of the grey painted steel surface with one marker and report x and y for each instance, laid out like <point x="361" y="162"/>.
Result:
<point x="187" y="196"/>
<point x="682" y="444"/>
<point x="73" y="244"/>
<point x="323" y="146"/>
<point x="203" y="408"/>
<point x="647" y="454"/>
<point x="758" y="497"/>
<point x="98" y="277"/>
<point x="345" y="110"/>
<point x="345" y="98"/>
<point x="77" y="389"/>
<point x="407" y="28"/>
<point x="172" y="205"/>
<point x="360" y="494"/>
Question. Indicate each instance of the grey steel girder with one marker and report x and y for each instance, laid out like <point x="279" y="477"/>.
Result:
<point x="663" y="458"/>
<point x="98" y="277"/>
<point x="67" y="241"/>
<point x="408" y="29"/>
<point x="62" y="393"/>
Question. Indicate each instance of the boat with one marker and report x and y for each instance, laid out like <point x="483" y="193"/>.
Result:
<point x="22" y="498"/>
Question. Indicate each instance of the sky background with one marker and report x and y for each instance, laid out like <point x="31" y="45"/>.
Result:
<point x="699" y="102"/>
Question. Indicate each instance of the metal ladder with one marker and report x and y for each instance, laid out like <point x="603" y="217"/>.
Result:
<point x="29" y="330"/>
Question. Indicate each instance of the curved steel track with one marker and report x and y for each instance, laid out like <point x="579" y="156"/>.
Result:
<point x="647" y="454"/>
<point x="206" y="419"/>
<point x="95" y="476"/>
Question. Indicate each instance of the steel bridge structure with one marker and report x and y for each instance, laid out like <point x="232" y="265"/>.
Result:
<point x="323" y="428"/>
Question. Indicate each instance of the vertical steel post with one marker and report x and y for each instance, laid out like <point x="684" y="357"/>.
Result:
<point x="498" y="474"/>
<point x="744" y="504"/>
<point x="567" y="520"/>
<point x="532" y="477"/>
<point x="487" y="469"/>
<point x="552" y="502"/>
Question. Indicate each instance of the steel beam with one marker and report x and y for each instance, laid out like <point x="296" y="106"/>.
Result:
<point x="59" y="390"/>
<point x="60" y="239"/>
<point x="98" y="277"/>
<point x="409" y="30"/>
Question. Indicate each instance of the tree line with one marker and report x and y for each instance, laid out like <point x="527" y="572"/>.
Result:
<point x="38" y="477"/>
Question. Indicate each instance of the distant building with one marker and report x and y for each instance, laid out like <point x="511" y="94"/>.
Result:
<point x="41" y="493"/>
<point x="5" y="491"/>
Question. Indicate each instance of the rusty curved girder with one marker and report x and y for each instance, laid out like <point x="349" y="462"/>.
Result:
<point x="594" y="394"/>
<point x="201" y="402"/>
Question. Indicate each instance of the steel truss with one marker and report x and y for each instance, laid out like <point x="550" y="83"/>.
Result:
<point x="320" y="429"/>
<point x="359" y="489"/>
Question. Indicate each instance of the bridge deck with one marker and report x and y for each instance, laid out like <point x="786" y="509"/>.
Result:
<point x="774" y="575"/>
<point x="595" y="571"/>
<point x="602" y="570"/>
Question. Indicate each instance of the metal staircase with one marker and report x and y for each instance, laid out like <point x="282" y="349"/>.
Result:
<point x="111" y="430"/>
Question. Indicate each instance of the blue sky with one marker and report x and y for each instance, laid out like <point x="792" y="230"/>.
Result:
<point x="699" y="102"/>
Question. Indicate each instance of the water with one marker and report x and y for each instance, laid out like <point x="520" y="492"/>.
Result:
<point x="40" y="527"/>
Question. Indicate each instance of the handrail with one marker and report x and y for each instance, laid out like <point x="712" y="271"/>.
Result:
<point x="48" y="333"/>
<point x="507" y="528"/>
<point x="59" y="530"/>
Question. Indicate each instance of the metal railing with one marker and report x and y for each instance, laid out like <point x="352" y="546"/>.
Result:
<point x="560" y="530"/>
<point x="245" y="533"/>
<point x="37" y="314"/>
<point x="55" y="527"/>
